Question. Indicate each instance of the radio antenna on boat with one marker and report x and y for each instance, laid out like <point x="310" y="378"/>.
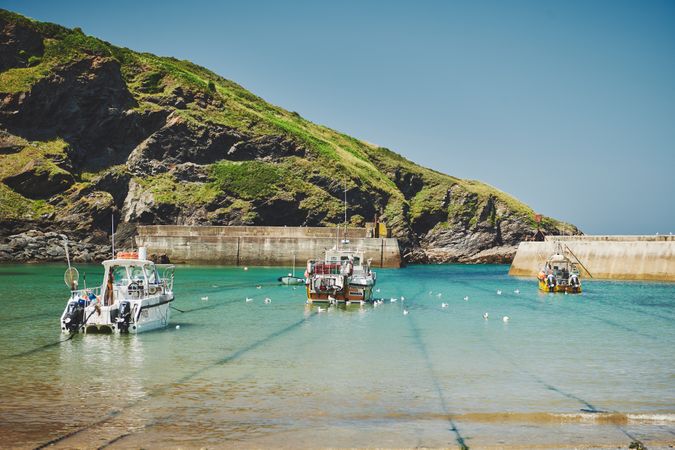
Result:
<point x="112" y="221"/>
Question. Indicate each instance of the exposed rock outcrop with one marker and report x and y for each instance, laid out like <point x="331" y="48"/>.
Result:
<point x="89" y="130"/>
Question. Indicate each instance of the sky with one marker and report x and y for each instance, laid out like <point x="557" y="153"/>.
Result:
<point x="567" y="105"/>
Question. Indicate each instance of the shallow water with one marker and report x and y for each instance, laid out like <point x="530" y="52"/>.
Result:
<point x="590" y="370"/>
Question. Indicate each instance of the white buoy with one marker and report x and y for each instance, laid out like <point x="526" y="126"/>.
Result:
<point x="505" y="318"/>
<point x="177" y="327"/>
<point x="245" y="268"/>
<point x="466" y="298"/>
<point x="485" y="316"/>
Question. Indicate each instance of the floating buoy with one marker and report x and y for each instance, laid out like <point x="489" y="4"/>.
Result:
<point x="245" y="268"/>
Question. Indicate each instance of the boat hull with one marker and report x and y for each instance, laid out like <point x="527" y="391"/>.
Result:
<point x="148" y="314"/>
<point x="559" y="288"/>
<point x="352" y="294"/>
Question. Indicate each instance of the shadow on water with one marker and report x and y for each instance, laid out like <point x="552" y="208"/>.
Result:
<point x="419" y="343"/>
<point x="163" y="389"/>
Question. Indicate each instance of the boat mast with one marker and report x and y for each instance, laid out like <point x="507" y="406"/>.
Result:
<point x="112" y="221"/>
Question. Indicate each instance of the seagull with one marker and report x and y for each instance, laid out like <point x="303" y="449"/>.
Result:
<point x="505" y="318"/>
<point x="268" y="300"/>
<point x="249" y="299"/>
<point x="466" y="298"/>
<point x="444" y="305"/>
<point x="405" y="312"/>
<point x="258" y="287"/>
<point x="485" y="316"/>
<point x="320" y="309"/>
<point x="499" y="292"/>
<point x="517" y="291"/>
<point x="331" y="299"/>
<point x="393" y="300"/>
<point x="402" y="298"/>
<point x="205" y="299"/>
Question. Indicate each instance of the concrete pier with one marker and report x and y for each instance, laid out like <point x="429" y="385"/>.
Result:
<point x="258" y="245"/>
<point x="606" y="257"/>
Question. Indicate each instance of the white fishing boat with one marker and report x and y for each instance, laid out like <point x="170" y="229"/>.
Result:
<point x="342" y="276"/>
<point x="291" y="278"/>
<point x="132" y="298"/>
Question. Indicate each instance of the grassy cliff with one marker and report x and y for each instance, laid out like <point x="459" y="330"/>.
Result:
<point x="172" y="142"/>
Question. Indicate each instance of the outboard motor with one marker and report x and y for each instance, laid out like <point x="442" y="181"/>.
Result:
<point x="574" y="281"/>
<point x="124" y="317"/>
<point x="74" y="315"/>
<point x="551" y="282"/>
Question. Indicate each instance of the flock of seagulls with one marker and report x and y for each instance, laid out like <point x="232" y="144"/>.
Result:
<point x="333" y="301"/>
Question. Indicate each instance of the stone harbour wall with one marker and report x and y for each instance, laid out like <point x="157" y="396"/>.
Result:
<point x="649" y="258"/>
<point x="259" y="245"/>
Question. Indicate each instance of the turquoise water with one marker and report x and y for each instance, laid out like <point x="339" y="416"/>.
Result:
<point x="592" y="370"/>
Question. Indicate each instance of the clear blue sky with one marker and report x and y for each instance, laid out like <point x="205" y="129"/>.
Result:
<point x="569" y="106"/>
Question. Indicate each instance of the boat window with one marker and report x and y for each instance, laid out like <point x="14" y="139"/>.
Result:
<point x="151" y="273"/>
<point x="357" y="261"/>
<point x="120" y="275"/>
<point x="136" y="273"/>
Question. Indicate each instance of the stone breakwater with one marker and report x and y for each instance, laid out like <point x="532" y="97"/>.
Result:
<point x="38" y="246"/>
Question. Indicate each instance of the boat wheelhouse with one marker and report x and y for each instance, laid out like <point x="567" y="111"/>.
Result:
<point x="133" y="298"/>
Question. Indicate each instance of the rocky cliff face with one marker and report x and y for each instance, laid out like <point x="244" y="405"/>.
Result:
<point x="88" y="129"/>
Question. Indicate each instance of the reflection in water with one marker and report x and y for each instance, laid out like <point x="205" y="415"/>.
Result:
<point x="283" y="374"/>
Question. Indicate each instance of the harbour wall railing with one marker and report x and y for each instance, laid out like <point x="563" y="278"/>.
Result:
<point x="260" y="245"/>
<point x="650" y="258"/>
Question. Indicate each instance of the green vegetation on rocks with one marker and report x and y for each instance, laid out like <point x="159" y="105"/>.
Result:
<point x="200" y="149"/>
